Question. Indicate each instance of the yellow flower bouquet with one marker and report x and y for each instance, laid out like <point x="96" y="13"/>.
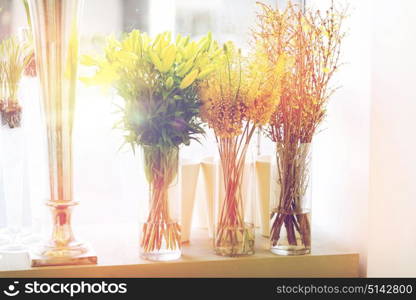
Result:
<point x="238" y="97"/>
<point x="157" y="79"/>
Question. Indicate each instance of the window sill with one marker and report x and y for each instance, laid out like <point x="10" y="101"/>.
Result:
<point x="118" y="256"/>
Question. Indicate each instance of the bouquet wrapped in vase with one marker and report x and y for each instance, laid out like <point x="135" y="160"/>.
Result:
<point x="308" y="44"/>
<point x="157" y="79"/>
<point x="238" y="98"/>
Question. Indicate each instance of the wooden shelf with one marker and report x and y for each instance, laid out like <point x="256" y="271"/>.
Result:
<point x="118" y="256"/>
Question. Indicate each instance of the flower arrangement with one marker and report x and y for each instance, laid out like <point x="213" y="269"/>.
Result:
<point x="13" y="60"/>
<point x="310" y="42"/>
<point x="158" y="79"/>
<point x="238" y="97"/>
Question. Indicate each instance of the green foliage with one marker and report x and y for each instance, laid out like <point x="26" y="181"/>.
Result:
<point x="158" y="79"/>
<point x="27" y="10"/>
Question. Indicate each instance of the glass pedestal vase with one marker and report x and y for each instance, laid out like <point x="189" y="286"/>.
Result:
<point x="234" y="230"/>
<point x="18" y="233"/>
<point x="56" y="35"/>
<point x="160" y="232"/>
<point x="12" y="166"/>
<point x="290" y="223"/>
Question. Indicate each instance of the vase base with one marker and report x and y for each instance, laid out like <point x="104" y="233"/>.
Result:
<point x="230" y="253"/>
<point x="74" y="254"/>
<point x="234" y="241"/>
<point x="162" y="255"/>
<point x="290" y="251"/>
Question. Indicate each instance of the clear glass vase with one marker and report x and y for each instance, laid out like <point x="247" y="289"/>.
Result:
<point x="290" y="198"/>
<point x="18" y="231"/>
<point x="160" y="232"/>
<point x="56" y="35"/>
<point x="12" y="189"/>
<point x="234" y="229"/>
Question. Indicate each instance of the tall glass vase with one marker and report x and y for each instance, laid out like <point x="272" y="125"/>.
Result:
<point x="160" y="234"/>
<point x="12" y="166"/>
<point x="290" y="198"/>
<point x="56" y="35"/>
<point x="234" y="231"/>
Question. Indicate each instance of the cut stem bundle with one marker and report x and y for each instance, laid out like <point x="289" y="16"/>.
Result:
<point x="232" y="235"/>
<point x="160" y="230"/>
<point x="291" y="210"/>
<point x="238" y="97"/>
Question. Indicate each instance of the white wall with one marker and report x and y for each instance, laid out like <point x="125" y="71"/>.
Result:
<point x="341" y="150"/>
<point x="392" y="239"/>
<point x="100" y="16"/>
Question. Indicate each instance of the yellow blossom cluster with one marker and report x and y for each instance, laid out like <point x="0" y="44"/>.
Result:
<point x="242" y="89"/>
<point x="308" y="44"/>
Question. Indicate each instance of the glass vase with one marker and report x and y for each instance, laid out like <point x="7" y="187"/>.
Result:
<point x="290" y="198"/>
<point x="234" y="230"/>
<point x="14" y="199"/>
<point x="160" y="234"/>
<point x="56" y="35"/>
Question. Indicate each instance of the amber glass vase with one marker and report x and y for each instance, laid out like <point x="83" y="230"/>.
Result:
<point x="56" y="34"/>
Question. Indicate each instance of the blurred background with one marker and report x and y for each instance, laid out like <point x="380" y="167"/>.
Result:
<point x="363" y="159"/>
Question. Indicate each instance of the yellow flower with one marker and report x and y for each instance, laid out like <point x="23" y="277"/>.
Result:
<point x="240" y="89"/>
<point x="168" y="58"/>
<point x="138" y="62"/>
<point x="155" y="60"/>
<point x="189" y="79"/>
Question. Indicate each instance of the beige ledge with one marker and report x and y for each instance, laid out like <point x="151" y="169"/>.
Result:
<point x="118" y="256"/>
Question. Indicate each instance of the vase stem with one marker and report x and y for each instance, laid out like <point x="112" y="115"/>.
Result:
<point x="234" y="228"/>
<point x="62" y="234"/>
<point x="161" y="232"/>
